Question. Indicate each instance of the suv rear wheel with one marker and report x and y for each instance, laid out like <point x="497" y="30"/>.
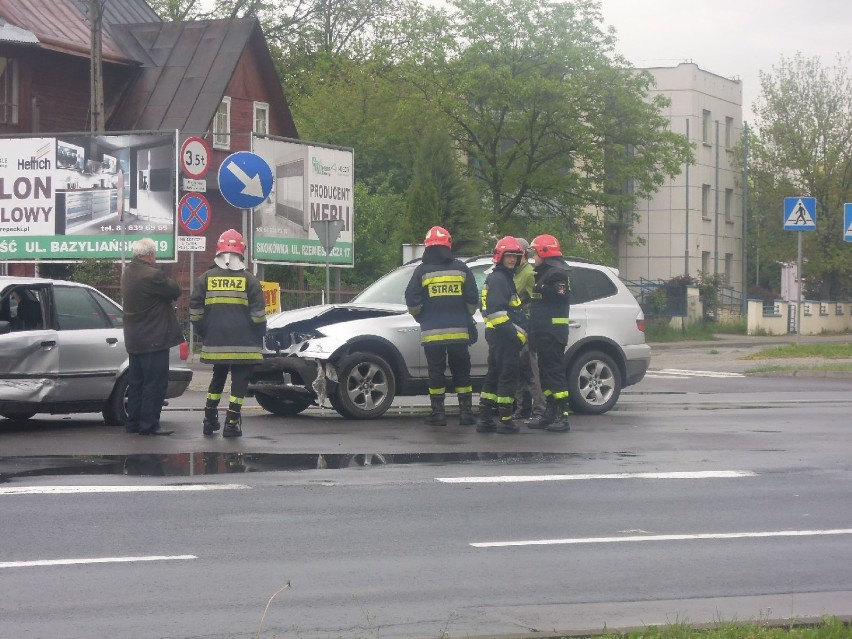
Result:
<point x="594" y="383"/>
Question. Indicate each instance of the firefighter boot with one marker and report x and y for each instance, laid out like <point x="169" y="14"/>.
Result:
<point x="543" y="421"/>
<point x="233" y="423"/>
<point x="507" y="425"/>
<point x="211" y="418"/>
<point x="560" y="424"/>
<point x="466" y="417"/>
<point x="485" y="423"/>
<point x="438" y="416"/>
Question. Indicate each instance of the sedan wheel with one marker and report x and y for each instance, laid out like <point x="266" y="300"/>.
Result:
<point x="594" y="383"/>
<point x="18" y="416"/>
<point x="366" y="386"/>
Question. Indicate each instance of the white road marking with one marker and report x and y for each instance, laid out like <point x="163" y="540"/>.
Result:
<point x="92" y="560"/>
<point x="70" y="490"/>
<point x="679" y="373"/>
<point x="704" y="474"/>
<point x="613" y="540"/>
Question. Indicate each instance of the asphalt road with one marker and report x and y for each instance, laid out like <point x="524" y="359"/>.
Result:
<point x="706" y="496"/>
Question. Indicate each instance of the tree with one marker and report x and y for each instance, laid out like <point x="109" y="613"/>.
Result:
<point x="440" y="195"/>
<point x="552" y="122"/>
<point x="804" y="147"/>
<point x="174" y="10"/>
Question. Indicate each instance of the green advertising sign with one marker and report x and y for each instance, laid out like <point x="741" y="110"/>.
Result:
<point x="82" y="196"/>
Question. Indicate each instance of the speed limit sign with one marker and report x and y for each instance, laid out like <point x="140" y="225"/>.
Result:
<point x="195" y="157"/>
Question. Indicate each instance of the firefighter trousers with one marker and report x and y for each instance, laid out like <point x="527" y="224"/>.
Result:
<point x="504" y="365"/>
<point x="437" y="356"/>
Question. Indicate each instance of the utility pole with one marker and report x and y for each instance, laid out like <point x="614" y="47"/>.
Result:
<point x="96" y="105"/>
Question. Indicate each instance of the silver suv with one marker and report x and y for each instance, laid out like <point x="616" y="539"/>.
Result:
<point x="362" y="354"/>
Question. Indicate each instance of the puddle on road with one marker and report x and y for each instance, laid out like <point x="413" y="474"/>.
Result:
<point x="191" y="464"/>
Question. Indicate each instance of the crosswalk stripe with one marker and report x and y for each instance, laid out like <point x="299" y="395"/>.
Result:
<point x="612" y="540"/>
<point x="92" y="560"/>
<point x="678" y="373"/>
<point x="701" y="474"/>
<point x="75" y="490"/>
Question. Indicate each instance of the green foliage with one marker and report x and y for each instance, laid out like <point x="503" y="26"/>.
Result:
<point x="829" y="628"/>
<point x="440" y="195"/>
<point x="802" y="148"/>
<point x="551" y="121"/>
<point x="170" y="10"/>
<point x="95" y="272"/>
<point x="709" y="285"/>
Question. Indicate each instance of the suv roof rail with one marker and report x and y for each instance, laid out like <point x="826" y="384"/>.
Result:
<point x="581" y="260"/>
<point x="478" y="257"/>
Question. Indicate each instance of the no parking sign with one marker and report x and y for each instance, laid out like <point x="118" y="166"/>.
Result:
<point x="194" y="213"/>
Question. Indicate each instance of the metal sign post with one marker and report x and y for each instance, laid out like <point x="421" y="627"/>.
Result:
<point x="799" y="215"/>
<point x="327" y="231"/>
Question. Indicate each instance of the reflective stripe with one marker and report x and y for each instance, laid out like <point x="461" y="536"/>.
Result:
<point x="240" y="356"/>
<point x="437" y="391"/>
<point x="561" y="395"/>
<point x="505" y="400"/>
<point x="443" y="279"/>
<point x="488" y="396"/>
<point x="559" y="320"/>
<point x="523" y="337"/>
<point x="494" y="316"/>
<point x="444" y="336"/>
<point x="464" y="389"/>
<point x="515" y="301"/>
<point x="214" y="396"/>
<point x="548" y="393"/>
<point x="240" y="301"/>
<point x="235" y="400"/>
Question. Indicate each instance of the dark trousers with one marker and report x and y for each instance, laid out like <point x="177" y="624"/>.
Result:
<point x="240" y="376"/>
<point x="148" y="381"/>
<point x="551" y="365"/>
<point x="437" y="356"/>
<point x="504" y="369"/>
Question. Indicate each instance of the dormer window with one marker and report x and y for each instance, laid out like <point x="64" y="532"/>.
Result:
<point x="9" y="91"/>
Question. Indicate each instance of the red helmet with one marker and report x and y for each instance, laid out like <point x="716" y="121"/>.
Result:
<point x="546" y="246"/>
<point x="507" y="245"/>
<point x="231" y="242"/>
<point x="439" y="236"/>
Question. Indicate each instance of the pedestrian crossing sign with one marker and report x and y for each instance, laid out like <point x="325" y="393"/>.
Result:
<point x="847" y="222"/>
<point x="799" y="214"/>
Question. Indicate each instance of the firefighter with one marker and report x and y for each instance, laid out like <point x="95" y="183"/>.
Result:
<point x="442" y="297"/>
<point x="549" y="330"/>
<point x="228" y="312"/>
<point x="504" y="332"/>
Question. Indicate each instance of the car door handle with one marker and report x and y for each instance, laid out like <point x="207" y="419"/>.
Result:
<point x="112" y="340"/>
<point x="48" y="343"/>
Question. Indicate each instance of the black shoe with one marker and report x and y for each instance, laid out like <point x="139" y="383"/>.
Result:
<point x="156" y="432"/>
<point x="507" y="427"/>
<point x="232" y="430"/>
<point x="486" y="427"/>
<point x="208" y="428"/>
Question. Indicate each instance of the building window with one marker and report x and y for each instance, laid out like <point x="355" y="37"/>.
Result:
<point x="705" y="126"/>
<point x="729" y="205"/>
<point x="729" y="267"/>
<point x="9" y="90"/>
<point x="261" y="118"/>
<point x="729" y="132"/>
<point x="705" y="262"/>
<point x="705" y="201"/>
<point x="222" y="125"/>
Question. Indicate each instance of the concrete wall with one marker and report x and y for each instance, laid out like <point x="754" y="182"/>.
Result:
<point x="817" y="317"/>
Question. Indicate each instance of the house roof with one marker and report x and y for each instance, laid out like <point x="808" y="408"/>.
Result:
<point x="186" y="68"/>
<point x="63" y="25"/>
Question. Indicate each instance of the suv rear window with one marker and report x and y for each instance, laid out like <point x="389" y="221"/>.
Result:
<point x="589" y="284"/>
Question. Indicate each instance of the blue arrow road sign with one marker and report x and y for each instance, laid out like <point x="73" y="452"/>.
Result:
<point x="799" y="213"/>
<point x="245" y="180"/>
<point x="847" y="222"/>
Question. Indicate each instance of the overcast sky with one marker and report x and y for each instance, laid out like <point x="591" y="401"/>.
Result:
<point x="731" y="38"/>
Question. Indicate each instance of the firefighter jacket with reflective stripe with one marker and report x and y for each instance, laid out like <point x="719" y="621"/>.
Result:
<point x="228" y="311"/>
<point x="442" y="296"/>
<point x="551" y="299"/>
<point x="501" y="306"/>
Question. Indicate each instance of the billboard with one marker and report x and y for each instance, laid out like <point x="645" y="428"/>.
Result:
<point x="311" y="183"/>
<point x="72" y="197"/>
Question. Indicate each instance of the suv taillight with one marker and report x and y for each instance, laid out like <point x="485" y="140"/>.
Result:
<point x="184" y="351"/>
<point x="640" y="323"/>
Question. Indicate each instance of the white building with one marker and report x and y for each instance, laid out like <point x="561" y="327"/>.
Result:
<point x="694" y="223"/>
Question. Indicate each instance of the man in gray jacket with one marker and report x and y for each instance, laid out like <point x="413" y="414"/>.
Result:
<point x="151" y="328"/>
